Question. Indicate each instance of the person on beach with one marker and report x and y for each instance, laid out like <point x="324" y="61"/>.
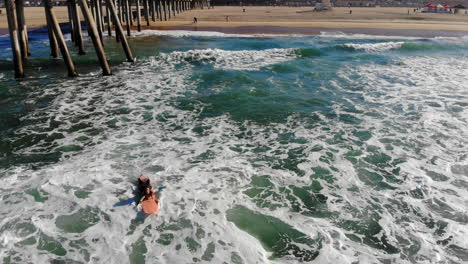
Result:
<point x="227" y="18"/>
<point x="195" y="20"/>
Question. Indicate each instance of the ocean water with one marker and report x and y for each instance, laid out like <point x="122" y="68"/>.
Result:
<point x="335" y="148"/>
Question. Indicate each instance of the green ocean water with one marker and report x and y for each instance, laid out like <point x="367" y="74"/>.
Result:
<point x="274" y="149"/>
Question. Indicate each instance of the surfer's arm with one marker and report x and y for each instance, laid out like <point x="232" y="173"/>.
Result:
<point x="138" y="199"/>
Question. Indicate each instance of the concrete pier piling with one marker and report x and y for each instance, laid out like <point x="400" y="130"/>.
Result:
<point x="159" y="3"/>
<point x="128" y="17"/>
<point x="77" y="28"/>
<point x="13" y="29"/>
<point x="22" y="30"/>
<point x="108" y="22"/>
<point x="138" y="13"/>
<point x="119" y="31"/>
<point x="94" y="34"/>
<point x="60" y="40"/>
<point x="153" y="10"/>
<point x="54" y="50"/>
<point x="97" y="18"/>
<point x="146" y="10"/>
<point x="115" y="14"/>
<point x="70" y="21"/>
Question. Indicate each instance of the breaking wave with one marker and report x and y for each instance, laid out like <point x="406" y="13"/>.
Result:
<point x="232" y="60"/>
<point x="374" y="47"/>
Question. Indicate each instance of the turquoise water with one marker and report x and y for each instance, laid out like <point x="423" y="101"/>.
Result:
<point x="274" y="149"/>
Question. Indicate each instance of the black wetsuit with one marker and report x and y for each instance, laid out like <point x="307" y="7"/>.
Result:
<point x="143" y="184"/>
<point x="141" y="189"/>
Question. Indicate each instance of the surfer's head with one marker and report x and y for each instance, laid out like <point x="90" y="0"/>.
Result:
<point x="148" y="191"/>
<point x="143" y="179"/>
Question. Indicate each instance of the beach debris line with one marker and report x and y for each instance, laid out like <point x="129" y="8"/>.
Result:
<point x="99" y="15"/>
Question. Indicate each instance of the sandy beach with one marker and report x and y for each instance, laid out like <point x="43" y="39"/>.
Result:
<point x="298" y="17"/>
<point x="384" y="18"/>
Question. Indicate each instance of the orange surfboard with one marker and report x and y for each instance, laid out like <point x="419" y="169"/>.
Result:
<point x="149" y="206"/>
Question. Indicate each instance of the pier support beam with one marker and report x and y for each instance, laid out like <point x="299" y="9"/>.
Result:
<point x="77" y="28"/>
<point x="120" y="9"/>
<point x="119" y="4"/>
<point x="54" y="50"/>
<point x="13" y="29"/>
<point x="119" y="31"/>
<point x="132" y="14"/>
<point x="173" y="8"/>
<point x="160" y="15"/>
<point x="108" y="22"/>
<point x="60" y="40"/>
<point x="153" y="10"/>
<point x="70" y="21"/>
<point x="22" y="30"/>
<point x="146" y="8"/>
<point x="91" y="6"/>
<point x="93" y="32"/>
<point x="101" y="15"/>
<point x="138" y="7"/>
<point x="127" y="17"/>
<point x="97" y="8"/>
<point x="168" y="8"/>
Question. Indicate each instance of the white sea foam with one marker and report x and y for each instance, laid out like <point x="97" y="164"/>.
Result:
<point x="142" y="127"/>
<point x="190" y="33"/>
<point x="341" y="35"/>
<point x="453" y="40"/>
<point x="232" y="59"/>
<point x="137" y="145"/>
<point x="429" y="120"/>
<point x="375" y="47"/>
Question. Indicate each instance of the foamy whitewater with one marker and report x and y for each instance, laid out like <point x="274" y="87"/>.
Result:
<point x="324" y="149"/>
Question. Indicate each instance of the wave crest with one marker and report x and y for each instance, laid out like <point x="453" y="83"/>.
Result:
<point x="232" y="59"/>
<point x="374" y="47"/>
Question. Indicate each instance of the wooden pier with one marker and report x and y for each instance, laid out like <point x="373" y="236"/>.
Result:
<point x="100" y="16"/>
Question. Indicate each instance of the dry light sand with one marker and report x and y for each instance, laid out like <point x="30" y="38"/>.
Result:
<point x="375" y="18"/>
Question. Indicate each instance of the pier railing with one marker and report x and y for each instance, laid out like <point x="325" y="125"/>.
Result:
<point x="120" y="16"/>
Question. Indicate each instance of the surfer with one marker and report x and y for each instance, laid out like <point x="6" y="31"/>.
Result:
<point x="143" y="182"/>
<point x="145" y="196"/>
<point x="149" y="204"/>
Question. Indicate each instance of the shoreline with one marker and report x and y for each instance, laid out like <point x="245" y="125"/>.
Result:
<point x="301" y="25"/>
<point x="281" y="30"/>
